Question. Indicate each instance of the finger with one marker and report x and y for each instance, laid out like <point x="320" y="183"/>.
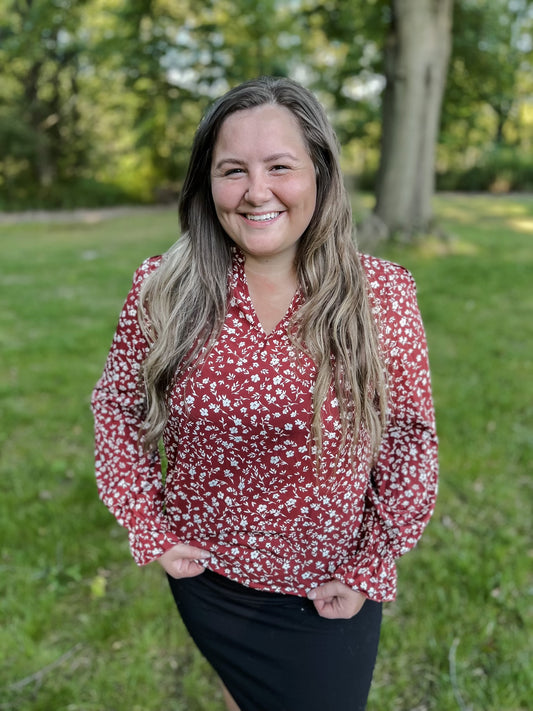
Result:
<point x="326" y="610"/>
<point x="332" y="609"/>
<point x="328" y="607"/>
<point x="340" y="607"/>
<point x="185" y="569"/>
<point x="183" y="565"/>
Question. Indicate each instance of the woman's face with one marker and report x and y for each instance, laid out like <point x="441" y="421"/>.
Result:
<point x="263" y="182"/>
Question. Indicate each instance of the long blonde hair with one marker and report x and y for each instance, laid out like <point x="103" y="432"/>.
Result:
<point x="184" y="301"/>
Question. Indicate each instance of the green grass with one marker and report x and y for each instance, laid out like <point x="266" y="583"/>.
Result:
<point x="82" y="629"/>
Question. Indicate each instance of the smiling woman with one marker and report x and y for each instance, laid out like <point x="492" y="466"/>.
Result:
<point x="264" y="185"/>
<point x="287" y="376"/>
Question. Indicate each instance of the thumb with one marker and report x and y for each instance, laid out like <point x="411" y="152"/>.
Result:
<point x="186" y="552"/>
<point x="192" y="552"/>
<point x="324" y="591"/>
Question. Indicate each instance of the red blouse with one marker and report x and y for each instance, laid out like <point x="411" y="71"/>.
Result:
<point x="241" y="479"/>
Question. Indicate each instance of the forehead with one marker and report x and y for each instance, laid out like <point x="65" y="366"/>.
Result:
<point x="266" y="122"/>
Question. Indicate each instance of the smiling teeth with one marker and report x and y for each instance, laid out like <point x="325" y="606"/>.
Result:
<point x="262" y="218"/>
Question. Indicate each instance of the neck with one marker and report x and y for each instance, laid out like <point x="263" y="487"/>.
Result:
<point x="271" y="288"/>
<point x="273" y="273"/>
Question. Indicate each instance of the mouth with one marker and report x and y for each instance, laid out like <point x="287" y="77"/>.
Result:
<point x="264" y="217"/>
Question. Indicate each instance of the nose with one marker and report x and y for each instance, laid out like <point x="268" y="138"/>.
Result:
<point x="258" y="188"/>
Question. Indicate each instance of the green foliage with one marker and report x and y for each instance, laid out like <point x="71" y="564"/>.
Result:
<point x="67" y="195"/>
<point x="39" y="113"/>
<point x="111" y="92"/>
<point x="490" y="77"/>
<point x="84" y="630"/>
<point x="500" y="170"/>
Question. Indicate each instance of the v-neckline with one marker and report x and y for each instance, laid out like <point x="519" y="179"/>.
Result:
<point x="243" y="291"/>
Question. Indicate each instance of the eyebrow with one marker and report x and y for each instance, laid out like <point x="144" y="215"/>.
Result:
<point x="268" y="159"/>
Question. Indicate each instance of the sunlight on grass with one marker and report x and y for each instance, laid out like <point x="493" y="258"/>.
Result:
<point x="522" y="224"/>
<point x="469" y="209"/>
<point x="433" y="246"/>
<point x="84" y="630"/>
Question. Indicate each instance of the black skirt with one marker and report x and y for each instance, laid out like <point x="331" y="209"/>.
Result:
<point x="274" y="652"/>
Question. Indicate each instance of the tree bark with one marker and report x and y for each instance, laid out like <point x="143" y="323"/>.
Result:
<point x="417" y="52"/>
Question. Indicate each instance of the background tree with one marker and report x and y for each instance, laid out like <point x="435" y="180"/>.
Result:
<point x="487" y="126"/>
<point x="344" y="68"/>
<point x="176" y="57"/>
<point x="99" y="99"/>
<point x="495" y="44"/>
<point x="39" y="110"/>
<point x="417" y="50"/>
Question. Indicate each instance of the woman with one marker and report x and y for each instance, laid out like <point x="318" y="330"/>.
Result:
<point x="287" y="376"/>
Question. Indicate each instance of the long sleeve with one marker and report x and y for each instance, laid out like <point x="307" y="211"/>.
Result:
<point x="401" y="495"/>
<point x="129" y="480"/>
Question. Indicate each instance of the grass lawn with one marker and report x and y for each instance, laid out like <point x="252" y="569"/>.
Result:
<point x="83" y="629"/>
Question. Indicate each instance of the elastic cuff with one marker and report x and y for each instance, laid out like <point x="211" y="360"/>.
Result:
<point x="376" y="578"/>
<point x="148" y="545"/>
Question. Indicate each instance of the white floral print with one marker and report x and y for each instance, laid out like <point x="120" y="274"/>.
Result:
<point x="241" y="479"/>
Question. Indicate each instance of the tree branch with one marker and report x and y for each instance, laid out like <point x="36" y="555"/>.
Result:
<point x="41" y="673"/>
<point x="453" y="676"/>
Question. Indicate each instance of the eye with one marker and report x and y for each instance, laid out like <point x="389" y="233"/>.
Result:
<point x="233" y="171"/>
<point x="279" y="168"/>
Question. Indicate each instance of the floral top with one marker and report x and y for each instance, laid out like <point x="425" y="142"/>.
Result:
<point x="241" y="478"/>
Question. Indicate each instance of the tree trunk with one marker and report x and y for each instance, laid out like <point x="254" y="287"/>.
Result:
<point x="42" y="166"/>
<point x="416" y="62"/>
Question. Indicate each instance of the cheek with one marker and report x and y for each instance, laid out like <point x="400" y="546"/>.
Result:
<point x="303" y="189"/>
<point x="225" y="197"/>
<point x="306" y="196"/>
<point x="216" y="194"/>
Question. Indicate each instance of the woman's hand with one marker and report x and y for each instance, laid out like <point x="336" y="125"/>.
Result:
<point x="181" y="561"/>
<point x="335" y="600"/>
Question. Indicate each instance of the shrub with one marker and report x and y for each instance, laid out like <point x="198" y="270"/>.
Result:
<point x="501" y="170"/>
